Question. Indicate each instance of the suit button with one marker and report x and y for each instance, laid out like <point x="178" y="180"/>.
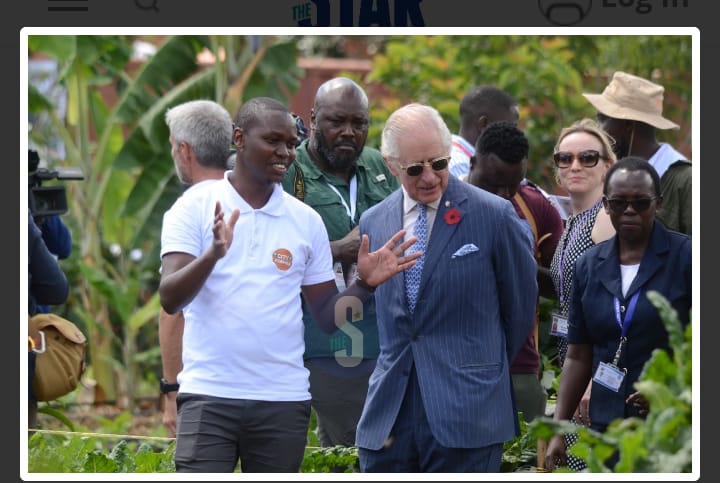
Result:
<point x="414" y="338"/>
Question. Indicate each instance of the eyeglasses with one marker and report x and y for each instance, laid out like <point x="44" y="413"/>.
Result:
<point x="588" y="158"/>
<point x="416" y="169"/>
<point x="619" y="205"/>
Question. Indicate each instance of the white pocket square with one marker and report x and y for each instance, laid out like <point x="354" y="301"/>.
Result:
<point x="464" y="250"/>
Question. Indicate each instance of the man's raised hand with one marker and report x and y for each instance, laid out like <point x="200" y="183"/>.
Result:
<point x="378" y="266"/>
<point x="223" y="231"/>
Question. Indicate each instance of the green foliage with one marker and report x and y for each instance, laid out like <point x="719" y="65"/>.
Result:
<point x="57" y="414"/>
<point x="545" y="74"/>
<point x="119" y="424"/>
<point x="313" y="440"/>
<point x="439" y="70"/>
<point x="548" y="348"/>
<point x="58" y="454"/>
<point x="335" y="459"/>
<point x="114" y="130"/>
<point x="62" y="454"/>
<point x="661" y="443"/>
<point x="519" y="451"/>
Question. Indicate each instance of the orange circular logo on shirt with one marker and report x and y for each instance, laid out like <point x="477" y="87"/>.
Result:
<point x="282" y="258"/>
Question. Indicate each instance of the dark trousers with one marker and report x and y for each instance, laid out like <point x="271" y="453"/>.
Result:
<point x="213" y="433"/>
<point x="530" y="396"/>
<point x="413" y="448"/>
<point x="338" y="400"/>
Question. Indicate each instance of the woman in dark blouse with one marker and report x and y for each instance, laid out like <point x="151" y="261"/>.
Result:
<point x="613" y="327"/>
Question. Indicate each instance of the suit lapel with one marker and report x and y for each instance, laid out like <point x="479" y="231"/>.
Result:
<point x="392" y="217"/>
<point x="392" y="222"/>
<point x="609" y="269"/>
<point x="453" y="198"/>
<point x="652" y="260"/>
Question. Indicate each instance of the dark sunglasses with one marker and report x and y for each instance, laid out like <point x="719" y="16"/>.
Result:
<point x="416" y="169"/>
<point x="619" y="205"/>
<point x="587" y="158"/>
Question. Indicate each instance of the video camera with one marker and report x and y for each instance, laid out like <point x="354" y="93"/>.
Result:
<point x="47" y="200"/>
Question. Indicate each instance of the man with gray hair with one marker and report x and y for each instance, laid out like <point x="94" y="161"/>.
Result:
<point x="200" y="139"/>
<point x="440" y="398"/>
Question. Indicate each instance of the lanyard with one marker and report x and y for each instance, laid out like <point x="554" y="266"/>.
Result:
<point x="624" y="323"/>
<point x="350" y="210"/>
<point x="572" y="235"/>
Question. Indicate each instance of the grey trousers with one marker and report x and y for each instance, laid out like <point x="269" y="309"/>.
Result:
<point x="338" y="402"/>
<point x="530" y="396"/>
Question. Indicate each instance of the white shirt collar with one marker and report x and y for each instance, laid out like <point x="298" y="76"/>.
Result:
<point x="409" y="203"/>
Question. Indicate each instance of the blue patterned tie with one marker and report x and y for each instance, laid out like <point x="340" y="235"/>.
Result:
<point x="412" y="275"/>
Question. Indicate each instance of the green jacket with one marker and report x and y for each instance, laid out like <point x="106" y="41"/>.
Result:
<point x="374" y="183"/>
<point x="676" y="211"/>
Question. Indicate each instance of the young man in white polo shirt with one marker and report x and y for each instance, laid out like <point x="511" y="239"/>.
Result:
<point x="244" y="391"/>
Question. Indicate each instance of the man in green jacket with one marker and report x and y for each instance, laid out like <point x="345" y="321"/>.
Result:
<point x="340" y="177"/>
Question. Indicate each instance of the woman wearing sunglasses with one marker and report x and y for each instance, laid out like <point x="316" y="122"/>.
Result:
<point x="583" y="154"/>
<point x="614" y="328"/>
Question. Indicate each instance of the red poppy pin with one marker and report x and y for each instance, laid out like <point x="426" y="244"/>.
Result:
<point x="452" y="216"/>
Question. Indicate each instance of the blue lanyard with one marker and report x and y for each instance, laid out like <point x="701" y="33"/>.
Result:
<point x="624" y="323"/>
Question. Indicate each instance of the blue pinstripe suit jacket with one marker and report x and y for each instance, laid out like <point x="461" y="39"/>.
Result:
<point x="473" y="314"/>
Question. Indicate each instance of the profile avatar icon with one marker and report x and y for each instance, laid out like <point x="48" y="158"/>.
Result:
<point x="564" y="12"/>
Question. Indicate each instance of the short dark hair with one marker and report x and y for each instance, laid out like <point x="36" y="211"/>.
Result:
<point x="633" y="163"/>
<point x="505" y="140"/>
<point x="251" y="109"/>
<point x="484" y="99"/>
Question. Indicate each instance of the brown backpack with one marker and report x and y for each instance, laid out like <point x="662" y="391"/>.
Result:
<point x="60" y="355"/>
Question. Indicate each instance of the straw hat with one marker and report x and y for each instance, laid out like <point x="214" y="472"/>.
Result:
<point x="633" y="98"/>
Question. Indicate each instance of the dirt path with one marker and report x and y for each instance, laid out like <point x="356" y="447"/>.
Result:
<point x="108" y="418"/>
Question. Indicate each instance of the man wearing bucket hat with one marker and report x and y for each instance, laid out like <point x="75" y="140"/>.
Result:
<point x="630" y="110"/>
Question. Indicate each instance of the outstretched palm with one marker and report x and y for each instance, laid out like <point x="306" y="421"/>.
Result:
<point x="378" y="266"/>
<point x="223" y="231"/>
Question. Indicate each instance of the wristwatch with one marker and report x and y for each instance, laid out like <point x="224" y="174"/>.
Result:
<point x="166" y="387"/>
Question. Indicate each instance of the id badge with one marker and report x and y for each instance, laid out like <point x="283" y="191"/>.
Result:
<point x="352" y="274"/>
<point x="339" y="276"/>
<point x="559" y="325"/>
<point x="609" y="376"/>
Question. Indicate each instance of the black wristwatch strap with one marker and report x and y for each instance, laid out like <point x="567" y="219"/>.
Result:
<point x="363" y="284"/>
<point x="166" y="387"/>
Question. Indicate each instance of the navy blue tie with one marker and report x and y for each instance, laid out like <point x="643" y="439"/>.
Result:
<point x="413" y="274"/>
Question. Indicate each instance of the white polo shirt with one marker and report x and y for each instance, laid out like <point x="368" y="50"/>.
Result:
<point x="243" y="333"/>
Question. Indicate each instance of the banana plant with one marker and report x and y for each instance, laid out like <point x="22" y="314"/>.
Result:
<point x="114" y="130"/>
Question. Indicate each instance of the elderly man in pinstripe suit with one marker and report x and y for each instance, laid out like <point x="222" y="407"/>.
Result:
<point x="440" y="398"/>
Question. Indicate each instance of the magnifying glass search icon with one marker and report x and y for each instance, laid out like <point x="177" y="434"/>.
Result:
<point x="147" y="5"/>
